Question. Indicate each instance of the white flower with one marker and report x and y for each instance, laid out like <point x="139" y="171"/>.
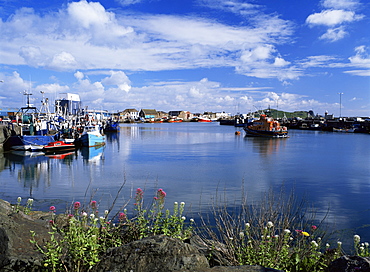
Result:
<point x="175" y="203"/>
<point x="92" y="216"/>
<point x="270" y="224"/>
<point x="84" y="214"/>
<point x="247" y="225"/>
<point x="192" y="220"/>
<point x="183" y="218"/>
<point x="314" y="244"/>
<point x="356" y="238"/>
<point x="241" y="234"/>
<point x="366" y="244"/>
<point x="19" y="199"/>
<point x="339" y="243"/>
<point x="287" y="231"/>
<point x="106" y="212"/>
<point x="30" y="201"/>
<point x="327" y="245"/>
<point x="182" y="203"/>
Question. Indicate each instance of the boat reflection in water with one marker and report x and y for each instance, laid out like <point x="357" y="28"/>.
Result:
<point x="92" y="154"/>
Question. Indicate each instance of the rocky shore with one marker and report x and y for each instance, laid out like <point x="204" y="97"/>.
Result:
<point x="156" y="253"/>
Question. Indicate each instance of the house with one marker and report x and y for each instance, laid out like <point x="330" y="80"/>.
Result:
<point x="148" y="113"/>
<point x="129" y="114"/>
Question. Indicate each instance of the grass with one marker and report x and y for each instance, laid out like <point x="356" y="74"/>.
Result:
<point x="277" y="232"/>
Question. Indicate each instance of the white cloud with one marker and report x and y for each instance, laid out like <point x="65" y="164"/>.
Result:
<point x="86" y="36"/>
<point x="332" y="17"/>
<point x="334" y="34"/>
<point x="63" y="61"/>
<point x="340" y="4"/>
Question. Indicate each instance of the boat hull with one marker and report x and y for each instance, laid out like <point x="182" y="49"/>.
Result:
<point x="58" y="147"/>
<point x="91" y="139"/>
<point x="27" y="142"/>
<point x="267" y="134"/>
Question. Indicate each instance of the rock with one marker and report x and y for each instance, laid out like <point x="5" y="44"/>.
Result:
<point x="155" y="253"/>
<point x="16" y="251"/>
<point x="350" y="264"/>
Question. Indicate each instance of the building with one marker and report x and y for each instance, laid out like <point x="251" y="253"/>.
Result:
<point x="129" y="114"/>
<point x="69" y="104"/>
<point x="148" y="113"/>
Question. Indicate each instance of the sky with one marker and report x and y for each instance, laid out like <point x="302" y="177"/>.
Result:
<point x="192" y="55"/>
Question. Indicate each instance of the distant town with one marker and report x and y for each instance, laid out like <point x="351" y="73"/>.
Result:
<point x="70" y="104"/>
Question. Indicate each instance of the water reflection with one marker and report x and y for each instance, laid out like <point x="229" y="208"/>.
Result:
<point x="92" y="154"/>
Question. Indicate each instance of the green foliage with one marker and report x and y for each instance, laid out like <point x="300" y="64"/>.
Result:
<point x="79" y="244"/>
<point x="26" y="209"/>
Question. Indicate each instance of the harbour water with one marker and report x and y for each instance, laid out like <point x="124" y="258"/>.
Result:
<point x="195" y="162"/>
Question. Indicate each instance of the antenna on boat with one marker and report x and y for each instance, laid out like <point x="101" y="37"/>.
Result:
<point x="28" y="98"/>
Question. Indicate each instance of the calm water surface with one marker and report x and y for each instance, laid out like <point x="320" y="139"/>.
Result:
<point x="193" y="162"/>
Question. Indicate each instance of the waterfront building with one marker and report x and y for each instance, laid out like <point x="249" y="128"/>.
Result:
<point x="148" y="113"/>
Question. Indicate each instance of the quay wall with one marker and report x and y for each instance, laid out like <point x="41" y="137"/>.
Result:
<point x="6" y="131"/>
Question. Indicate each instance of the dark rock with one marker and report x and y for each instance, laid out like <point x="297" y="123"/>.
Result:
<point x="156" y="253"/>
<point x="16" y="251"/>
<point x="350" y="264"/>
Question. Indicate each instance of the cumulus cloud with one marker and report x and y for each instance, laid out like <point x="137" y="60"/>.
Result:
<point x="332" y="17"/>
<point x="336" y="16"/>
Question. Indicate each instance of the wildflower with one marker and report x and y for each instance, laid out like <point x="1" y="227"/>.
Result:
<point x="70" y="216"/>
<point x="19" y="199"/>
<point x="241" y="235"/>
<point x="106" y="212"/>
<point x="366" y="244"/>
<point x="30" y="201"/>
<point x="183" y="218"/>
<point x="276" y="236"/>
<point x="327" y="245"/>
<point x="356" y="238"/>
<point x="175" y="203"/>
<point x="313" y="227"/>
<point x="247" y="225"/>
<point x="52" y="208"/>
<point x="77" y="205"/>
<point x="314" y="244"/>
<point x="305" y="233"/>
<point x="93" y="204"/>
<point x="84" y="214"/>
<point x="270" y="224"/>
<point x="122" y="217"/>
<point x="51" y="222"/>
<point x="287" y="231"/>
<point x="192" y="220"/>
<point x="139" y="195"/>
<point x="92" y="216"/>
<point x="298" y="231"/>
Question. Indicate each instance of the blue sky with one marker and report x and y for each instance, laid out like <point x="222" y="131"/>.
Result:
<point x="200" y="55"/>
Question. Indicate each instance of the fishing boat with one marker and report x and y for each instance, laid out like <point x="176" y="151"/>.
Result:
<point x="91" y="136"/>
<point x="204" y="120"/>
<point x="266" y="127"/>
<point x="57" y="147"/>
<point x="111" y="126"/>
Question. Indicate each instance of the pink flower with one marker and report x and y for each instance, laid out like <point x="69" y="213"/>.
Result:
<point x="298" y="231"/>
<point x="122" y="217"/>
<point x="93" y="204"/>
<point x="313" y="227"/>
<point x="77" y="205"/>
<point x="52" y="208"/>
